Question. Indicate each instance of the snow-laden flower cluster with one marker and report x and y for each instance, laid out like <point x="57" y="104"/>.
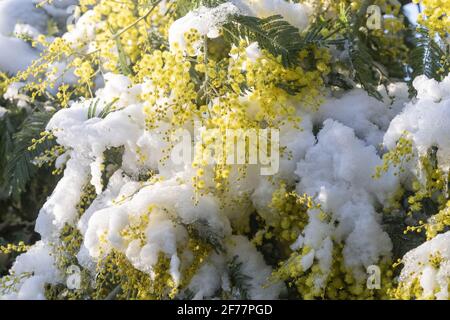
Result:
<point x="426" y="271"/>
<point x="425" y="120"/>
<point x="128" y="217"/>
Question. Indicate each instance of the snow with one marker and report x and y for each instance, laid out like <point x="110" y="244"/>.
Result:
<point x="22" y="17"/>
<point x="296" y="14"/>
<point x="18" y="56"/>
<point x="13" y="12"/>
<point x="205" y="20"/>
<point x="83" y="31"/>
<point x="254" y="267"/>
<point x="338" y="171"/>
<point x="60" y="208"/>
<point x="213" y="275"/>
<point x="332" y="159"/>
<point x="39" y="262"/>
<point x="425" y="119"/>
<point x="369" y="117"/>
<point x="434" y="280"/>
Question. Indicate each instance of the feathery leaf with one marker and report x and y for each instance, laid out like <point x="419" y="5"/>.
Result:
<point x="20" y="167"/>
<point x="428" y="58"/>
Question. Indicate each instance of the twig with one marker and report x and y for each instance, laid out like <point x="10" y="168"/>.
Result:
<point x="119" y="33"/>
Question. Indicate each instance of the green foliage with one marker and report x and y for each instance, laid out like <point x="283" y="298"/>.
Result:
<point x="364" y="66"/>
<point x="238" y="280"/>
<point x="117" y="276"/>
<point x="23" y="186"/>
<point x="281" y="39"/>
<point x="20" y="168"/>
<point x="7" y="129"/>
<point x="371" y="60"/>
<point x="201" y="230"/>
<point x="429" y="58"/>
<point x="107" y="109"/>
<point x="277" y="36"/>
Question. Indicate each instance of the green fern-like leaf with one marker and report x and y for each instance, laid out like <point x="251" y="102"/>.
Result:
<point x="361" y="65"/>
<point x="239" y="281"/>
<point x="364" y="67"/>
<point x="20" y="168"/>
<point x="6" y="130"/>
<point x="428" y="58"/>
<point x="200" y="229"/>
<point x="277" y="36"/>
<point x="273" y="34"/>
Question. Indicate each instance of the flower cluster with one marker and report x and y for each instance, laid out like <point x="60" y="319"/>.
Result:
<point x="436" y="16"/>
<point x="127" y="221"/>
